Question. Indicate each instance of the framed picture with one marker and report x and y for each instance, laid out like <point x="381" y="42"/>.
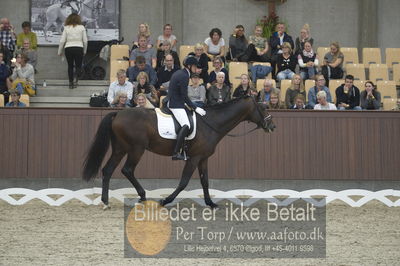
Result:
<point x="100" y="17"/>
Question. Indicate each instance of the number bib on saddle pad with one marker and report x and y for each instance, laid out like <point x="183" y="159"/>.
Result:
<point x="166" y="125"/>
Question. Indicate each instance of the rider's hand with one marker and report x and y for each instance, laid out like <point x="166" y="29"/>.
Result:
<point x="200" y="111"/>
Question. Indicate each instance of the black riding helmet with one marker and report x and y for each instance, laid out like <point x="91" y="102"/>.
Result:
<point x="189" y="61"/>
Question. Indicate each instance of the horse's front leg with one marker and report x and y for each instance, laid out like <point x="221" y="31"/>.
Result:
<point x="187" y="173"/>
<point x="203" y="173"/>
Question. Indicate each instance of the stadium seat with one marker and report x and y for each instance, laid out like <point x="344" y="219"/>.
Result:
<point x="260" y="84"/>
<point x="236" y="69"/>
<point x="378" y="72"/>
<point x="389" y="104"/>
<point x="357" y="70"/>
<point x="24" y="99"/>
<point x="396" y="74"/>
<point x="285" y="85"/>
<point x="119" y="51"/>
<point x="392" y="56"/>
<point x="184" y="50"/>
<point x="321" y="52"/>
<point x="360" y="84"/>
<point x="350" y="55"/>
<point x="387" y="89"/>
<point x="371" y="56"/>
<point x="115" y="66"/>
<point x="1" y="100"/>
<point x="333" y="85"/>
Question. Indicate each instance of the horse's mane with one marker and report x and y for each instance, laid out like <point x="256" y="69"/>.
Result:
<point x="225" y="104"/>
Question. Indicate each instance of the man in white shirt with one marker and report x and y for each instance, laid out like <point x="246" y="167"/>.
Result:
<point x="121" y="84"/>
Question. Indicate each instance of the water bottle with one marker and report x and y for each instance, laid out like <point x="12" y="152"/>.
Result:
<point x="44" y="83"/>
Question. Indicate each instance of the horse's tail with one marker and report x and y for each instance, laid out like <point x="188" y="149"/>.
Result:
<point x="99" y="148"/>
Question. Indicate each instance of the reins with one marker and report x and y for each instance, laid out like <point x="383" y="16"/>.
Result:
<point x="230" y="135"/>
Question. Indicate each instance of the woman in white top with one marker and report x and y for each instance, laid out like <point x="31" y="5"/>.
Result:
<point x="323" y="103"/>
<point x="74" y="40"/>
<point x="215" y="44"/>
<point x="167" y="36"/>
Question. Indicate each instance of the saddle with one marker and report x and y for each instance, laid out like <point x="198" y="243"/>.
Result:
<point x="166" y="111"/>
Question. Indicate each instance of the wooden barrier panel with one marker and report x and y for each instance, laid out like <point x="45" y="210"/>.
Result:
<point x="325" y="145"/>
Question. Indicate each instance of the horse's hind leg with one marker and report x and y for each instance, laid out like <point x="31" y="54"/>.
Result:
<point x="203" y="173"/>
<point x="107" y="171"/>
<point x="129" y="171"/>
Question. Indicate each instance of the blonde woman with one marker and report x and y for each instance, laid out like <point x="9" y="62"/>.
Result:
<point x="332" y="67"/>
<point x="144" y="30"/>
<point x="120" y="100"/>
<point x="245" y="88"/>
<point x="275" y="102"/>
<point x="296" y="88"/>
<point x="304" y="37"/>
<point x="143" y="86"/>
<point x="142" y="101"/>
<point x="286" y="62"/>
<point x="167" y="36"/>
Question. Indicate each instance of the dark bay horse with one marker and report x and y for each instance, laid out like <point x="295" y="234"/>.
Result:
<point x="132" y="131"/>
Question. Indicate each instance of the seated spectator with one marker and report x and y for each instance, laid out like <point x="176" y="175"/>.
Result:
<point x="245" y="87"/>
<point x="202" y="59"/>
<point x="161" y="53"/>
<point x="348" y="95"/>
<point x="27" y="34"/>
<point x="167" y="36"/>
<point x="279" y="38"/>
<point x="14" y="101"/>
<point x="332" y="66"/>
<point x="143" y="86"/>
<point x="219" y="92"/>
<point x="197" y="92"/>
<point x="299" y="102"/>
<point x="120" y="85"/>
<point x="308" y="62"/>
<point x="32" y="54"/>
<point x="286" y="63"/>
<point x="4" y="74"/>
<point x="141" y="101"/>
<point x="258" y="47"/>
<point x="144" y="30"/>
<point x="218" y="67"/>
<point x="7" y="56"/>
<point x="143" y="50"/>
<point x="319" y="86"/>
<point x="370" y="98"/>
<point x="164" y="74"/>
<point x="215" y="44"/>
<point x="295" y="89"/>
<point x="275" y="102"/>
<point x="238" y="45"/>
<point x="264" y="96"/>
<point x="7" y="35"/>
<point x="323" y="104"/>
<point x="23" y="76"/>
<point x="120" y="100"/>
<point x="305" y="36"/>
<point x="140" y="65"/>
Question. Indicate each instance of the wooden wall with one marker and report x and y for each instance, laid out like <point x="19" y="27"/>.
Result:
<point x="51" y="143"/>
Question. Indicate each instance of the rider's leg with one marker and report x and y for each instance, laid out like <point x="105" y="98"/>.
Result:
<point x="181" y="117"/>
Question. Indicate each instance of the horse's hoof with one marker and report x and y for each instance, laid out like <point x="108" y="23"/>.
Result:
<point x="142" y="199"/>
<point x="163" y="202"/>
<point x="212" y="205"/>
<point x="106" y="206"/>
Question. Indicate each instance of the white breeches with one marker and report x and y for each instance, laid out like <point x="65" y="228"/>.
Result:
<point x="181" y="116"/>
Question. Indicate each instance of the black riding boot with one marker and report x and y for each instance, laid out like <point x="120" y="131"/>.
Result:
<point x="180" y="139"/>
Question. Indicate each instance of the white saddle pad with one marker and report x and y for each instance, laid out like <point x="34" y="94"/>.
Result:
<point x="166" y="127"/>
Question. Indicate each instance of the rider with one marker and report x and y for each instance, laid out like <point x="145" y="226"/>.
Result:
<point x="177" y="97"/>
<point x="74" y="4"/>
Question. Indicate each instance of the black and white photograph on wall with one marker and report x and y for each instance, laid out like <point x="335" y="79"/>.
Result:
<point x="100" y="17"/>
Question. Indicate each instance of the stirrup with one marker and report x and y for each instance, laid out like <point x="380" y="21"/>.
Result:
<point x="180" y="156"/>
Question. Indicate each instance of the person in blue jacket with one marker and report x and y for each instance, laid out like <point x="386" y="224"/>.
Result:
<point x="178" y="97"/>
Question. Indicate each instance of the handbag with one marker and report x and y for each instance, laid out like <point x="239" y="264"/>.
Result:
<point x="98" y="101"/>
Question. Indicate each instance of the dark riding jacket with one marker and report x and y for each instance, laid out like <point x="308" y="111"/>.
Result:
<point x="178" y="90"/>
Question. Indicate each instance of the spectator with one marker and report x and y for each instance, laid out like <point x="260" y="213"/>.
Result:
<point x="7" y="35"/>
<point x="74" y="40"/>
<point x="4" y="74"/>
<point x="120" y="85"/>
<point x="165" y="50"/>
<point x="141" y="101"/>
<point x="219" y="92"/>
<point x="164" y="74"/>
<point x="32" y="54"/>
<point x="319" y="86"/>
<point x="218" y="67"/>
<point x="333" y="63"/>
<point x="6" y="54"/>
<point x="286" y="63"/>
<point x="14" y="102"/>
<point x="304" y="37"/>
<point x="295" y="89"/>
<point x="245" y="87"/>
<point x="143" y="86"/>
<point x="308" y="61"/>
<point x="140" y="65"/>
<point x="348" y="95"/>
<point x="258" y="46"/>
<point x="144" y="51"/>
<point x="299" y="102"/>
<point x="144" y="30"/>
<point x="215" y="44"/>
<point x="370" y="97"/>
<point x="275" y="102"/>
<point x="27" y="34"/>
<point x="238" y="45"/>
<point x="323" y="103"/>
<point x="264" y="96"/>
<point x="202" y="60"/>
<point x="120" y="100"/>
<point x="197" y="92"/>
<point x="167" y="36"/>
<point x="279" y="38"/>
<point x="23" y="76"/>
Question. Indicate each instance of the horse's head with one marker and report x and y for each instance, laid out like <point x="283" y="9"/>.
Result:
<point x="261" y="117"/>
